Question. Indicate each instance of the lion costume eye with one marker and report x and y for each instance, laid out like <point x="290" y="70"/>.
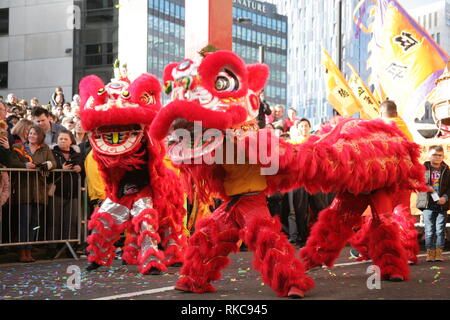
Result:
<point x="126" y="94"/>
<point x="101" y="91"/>
<point x="226" y="81"/>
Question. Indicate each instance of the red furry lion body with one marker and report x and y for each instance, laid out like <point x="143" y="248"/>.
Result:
<point x="143" y="196"/>
<point x="364" y="162"/>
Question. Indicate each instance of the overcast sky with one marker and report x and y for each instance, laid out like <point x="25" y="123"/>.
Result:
<point x="411" y="4"/>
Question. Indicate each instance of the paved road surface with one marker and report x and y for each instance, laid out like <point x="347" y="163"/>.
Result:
<point x="347" y="281"/>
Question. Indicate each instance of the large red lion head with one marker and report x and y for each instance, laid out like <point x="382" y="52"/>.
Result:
<point x="220" y="91"/>
<point x="116" y="115"/>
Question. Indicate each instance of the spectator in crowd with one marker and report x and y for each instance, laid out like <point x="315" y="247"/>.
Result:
<point x="22" y="105"/>
<point x="68" y="123"/>
<point x="434" y="203"/>
<point x="16" y="111"/>
<point x="264" y="110"/>
<point x="297" y="204"/>
<point x="34" y="154"/>
<point x="278" y="130"/>
<point x="58" y="112"/>
<point x="27" y="114"/>
<point x="1" y="98"/>
<point x="5" y="152"/>
<point x="65" y="218"/>
<point x="75" y="104"/>
<point x="67" y="110"/>
<point x="11" y="101"/>
<point x="34" y="102"/>
<point x="79" y="133"/>
<point x="54" y="119"/>
<point x="3" y="111"/>
<point x="12" y="121"/>
<point x="20" y="131"/>
<point x="57" y="97"/>
<point x="276" y="118"/>
<point x="289" y="121"/>
<point x="41" y="117"/>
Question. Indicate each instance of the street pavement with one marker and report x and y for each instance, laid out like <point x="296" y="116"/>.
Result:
<point x="56" y="280"/>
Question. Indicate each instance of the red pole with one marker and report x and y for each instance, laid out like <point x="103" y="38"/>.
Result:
<point x="208" y="22"/>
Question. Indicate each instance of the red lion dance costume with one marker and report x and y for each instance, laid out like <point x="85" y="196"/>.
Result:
<point x="364" y="161"/>
<point x="143" y="196"/>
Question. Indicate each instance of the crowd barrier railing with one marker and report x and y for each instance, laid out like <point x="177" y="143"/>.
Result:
<point x="43" y="208"/>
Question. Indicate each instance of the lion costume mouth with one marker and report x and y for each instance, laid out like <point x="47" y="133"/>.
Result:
<point x="187" y="140"/>
<point x="116" y="140"/>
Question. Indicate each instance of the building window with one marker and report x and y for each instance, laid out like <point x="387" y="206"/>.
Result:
<point x="3" y="75"/>
<point x="100" y="4"/>
<point x="99" y="54"/>
<point x="438" y="38"/>
<point x="4" y="21"/>
<point x="435" y="19"/>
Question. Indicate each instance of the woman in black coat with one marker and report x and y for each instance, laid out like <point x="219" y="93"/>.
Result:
<point x="65" y="215"/>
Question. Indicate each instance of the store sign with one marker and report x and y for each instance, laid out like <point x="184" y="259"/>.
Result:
<point x="254" y="5"/>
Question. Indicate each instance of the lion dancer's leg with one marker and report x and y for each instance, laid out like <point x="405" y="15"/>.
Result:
<point x="385" y="247"/>
<point x="214" y="239"/>
<point x="106" y="225"/>
<point x="131" y="247"/>
<point x="173" y="241"/>
<point x="274" y="255"/>
<point x="333" y="229"/>
<point x="408" y="233"/>
<point x="145" y="223"/>
<point x="360" y="240"/>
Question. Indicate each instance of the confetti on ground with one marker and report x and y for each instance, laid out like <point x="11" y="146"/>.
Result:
<point x="242" y="271"/>
<point x="233" y="280"/>
<point x="436" y="268"/>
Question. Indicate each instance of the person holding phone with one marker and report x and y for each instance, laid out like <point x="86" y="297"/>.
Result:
<point x="33" y="154"/>
<point x="434" y="203"/>
<point x="64" y="219"/>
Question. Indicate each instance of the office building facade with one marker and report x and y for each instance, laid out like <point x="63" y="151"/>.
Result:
<point x="36" y="51"/>
<point x="312" y="25"/>
<point x="86" y="36"/>
<point x="435" y="18"/>
<point x="96" y="42"/>
<point x="260" y="33"/>
<point x="255" y="24"/>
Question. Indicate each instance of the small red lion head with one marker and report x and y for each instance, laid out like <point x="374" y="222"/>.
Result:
<point x="117" y="114"/>
<point x="220" y="91"/>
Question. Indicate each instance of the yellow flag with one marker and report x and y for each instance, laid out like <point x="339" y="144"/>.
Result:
<point x="339" y="94"/>
<point x="370" y="106"/>
<point x="405" y="60"/>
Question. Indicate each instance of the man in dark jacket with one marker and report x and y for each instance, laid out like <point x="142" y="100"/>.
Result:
<point x="41" y="117"/>
<point x="434" y="203"/>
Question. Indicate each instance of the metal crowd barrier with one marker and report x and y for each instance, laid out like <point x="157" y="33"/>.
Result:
<point x="58" y="220"/>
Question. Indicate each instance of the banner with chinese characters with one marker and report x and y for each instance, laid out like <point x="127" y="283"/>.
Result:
<point x="405" y="61"/>
<point x="370" y="106"/>
<point x="339" y="94"/>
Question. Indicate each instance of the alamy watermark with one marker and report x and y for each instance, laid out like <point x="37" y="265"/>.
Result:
<point x="238" y="147"/>
<point x="374" y="281"/>
<point x="74" y="17"/>
<point x="74" y="281"/>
